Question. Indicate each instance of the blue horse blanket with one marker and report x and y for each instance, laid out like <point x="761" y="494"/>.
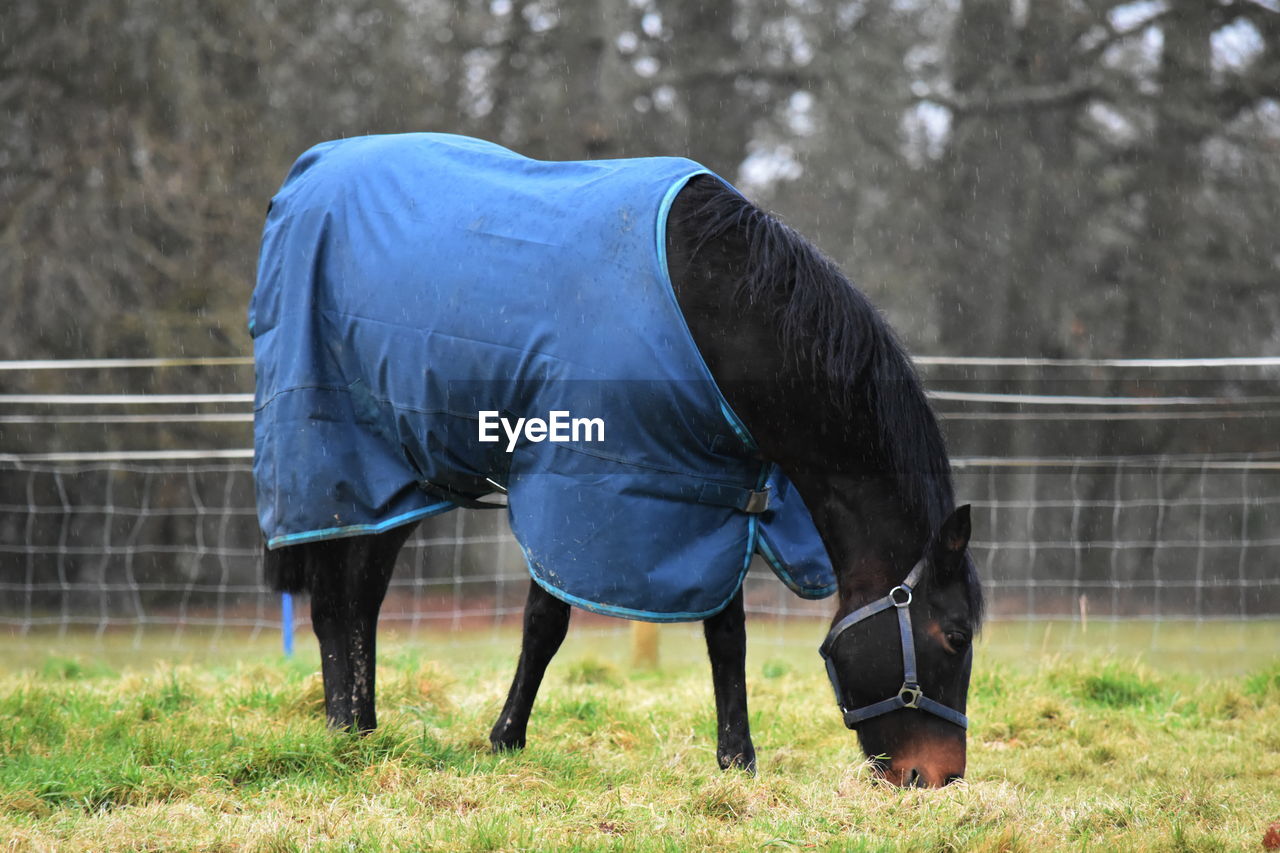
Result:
<point x="419" y="295"/>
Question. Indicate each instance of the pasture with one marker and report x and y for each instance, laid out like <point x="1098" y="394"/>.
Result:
<point x="1079" y="742"/>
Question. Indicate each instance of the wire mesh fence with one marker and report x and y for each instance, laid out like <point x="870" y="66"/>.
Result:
<point x="155" y="545"/>
<point x="164" y="542"/>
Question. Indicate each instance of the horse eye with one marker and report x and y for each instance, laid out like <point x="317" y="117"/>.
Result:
<point x="958" y="640"/>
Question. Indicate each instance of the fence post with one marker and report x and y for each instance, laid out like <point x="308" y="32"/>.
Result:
<point x="644" y="645"/>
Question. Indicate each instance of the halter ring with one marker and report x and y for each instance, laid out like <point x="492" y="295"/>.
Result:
<point x="910" y="695"/>
<point x="904" y="590"/>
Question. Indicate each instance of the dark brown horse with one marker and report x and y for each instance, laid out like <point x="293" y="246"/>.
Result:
<point x="817" y="377"/>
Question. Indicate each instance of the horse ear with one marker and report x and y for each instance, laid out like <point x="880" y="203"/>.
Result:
<point x="952" y="539"/>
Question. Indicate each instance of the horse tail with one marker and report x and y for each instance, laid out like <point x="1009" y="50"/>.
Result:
<point x="285" y="569"/>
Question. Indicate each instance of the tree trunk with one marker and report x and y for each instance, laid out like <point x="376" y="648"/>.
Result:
<point x="706" y="58"/>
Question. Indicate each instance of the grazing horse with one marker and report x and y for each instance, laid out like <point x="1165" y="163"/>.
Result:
<point x="414" y="291"/>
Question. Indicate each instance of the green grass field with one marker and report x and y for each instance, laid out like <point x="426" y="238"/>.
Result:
<point x="1128" y="736"/>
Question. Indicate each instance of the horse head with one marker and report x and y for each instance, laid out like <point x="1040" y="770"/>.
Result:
<point x="900" y="664"/>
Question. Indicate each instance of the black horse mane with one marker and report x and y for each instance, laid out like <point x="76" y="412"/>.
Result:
<point x="826" y="321"/>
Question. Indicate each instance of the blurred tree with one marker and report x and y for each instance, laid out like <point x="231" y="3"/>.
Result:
<point x="1004" y="177"/>
<point x="138" y="166"/>
<point x="848" y="172"/>
<point x="1091" y="151"/>
<point x="706" y="69"/>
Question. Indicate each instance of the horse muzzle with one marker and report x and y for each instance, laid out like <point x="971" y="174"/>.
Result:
<point x="928" y="763"/>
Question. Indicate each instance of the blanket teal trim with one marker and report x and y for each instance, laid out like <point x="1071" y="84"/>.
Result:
<point x="360" y="529"/>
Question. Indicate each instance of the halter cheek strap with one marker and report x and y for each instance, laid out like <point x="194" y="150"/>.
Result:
<point x="909" y="695"/>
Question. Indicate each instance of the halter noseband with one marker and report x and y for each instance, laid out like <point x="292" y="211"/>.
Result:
<point x="910" y="695"/>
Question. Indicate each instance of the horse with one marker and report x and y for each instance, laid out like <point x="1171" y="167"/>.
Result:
<point x="809" y="369"/>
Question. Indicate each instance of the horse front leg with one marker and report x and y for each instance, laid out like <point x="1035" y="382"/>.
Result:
<point x="726" y="635"/>
<point x="348" y="582"/>
<point x="546" y="621"/>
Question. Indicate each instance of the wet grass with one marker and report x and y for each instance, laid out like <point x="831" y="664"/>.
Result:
<point x="1088" y="751"/>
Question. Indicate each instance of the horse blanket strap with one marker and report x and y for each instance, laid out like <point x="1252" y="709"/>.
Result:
<point x="459" y="499"/>
<point x="750" y="501"/>
<point x="910" y="695"/>
<point x="422" y="299"/>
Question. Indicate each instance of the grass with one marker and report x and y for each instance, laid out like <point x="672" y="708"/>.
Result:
<point x="1095" y="750"/>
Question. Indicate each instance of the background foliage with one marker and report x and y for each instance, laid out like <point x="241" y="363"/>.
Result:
<point x="1003" y="176"/>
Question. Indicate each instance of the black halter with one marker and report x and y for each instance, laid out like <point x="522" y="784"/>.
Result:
<point x="910" y="695"/>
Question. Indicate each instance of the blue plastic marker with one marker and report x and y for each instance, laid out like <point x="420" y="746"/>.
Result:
<point x="286" y="622"/>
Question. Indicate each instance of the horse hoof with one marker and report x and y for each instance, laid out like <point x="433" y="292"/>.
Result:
<point x="745" y="761"/>
<point x="498" y="748"/>
<point x="500" y="745"/>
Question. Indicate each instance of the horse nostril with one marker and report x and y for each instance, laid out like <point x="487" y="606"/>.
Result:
<point x="914" y="779"/>
<point x="951" y="779"/>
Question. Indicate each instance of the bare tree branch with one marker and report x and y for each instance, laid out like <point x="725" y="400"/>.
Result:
<point x="991" y="102"/>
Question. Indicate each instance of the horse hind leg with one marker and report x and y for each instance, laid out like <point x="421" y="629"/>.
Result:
<point x="546" y="621"/>
<point x="726" y="635"/>
<point x="347" y="579"/>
